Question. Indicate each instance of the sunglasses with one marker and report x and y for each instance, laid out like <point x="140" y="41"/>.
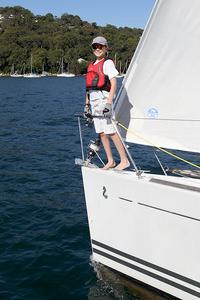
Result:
<point x="97" y="46"/>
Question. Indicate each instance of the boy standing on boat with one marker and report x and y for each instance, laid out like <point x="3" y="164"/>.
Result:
<point x="101" y="87"/>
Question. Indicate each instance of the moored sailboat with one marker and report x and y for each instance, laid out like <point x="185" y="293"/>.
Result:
<point x="146" y="225"/>
<point x="31" y="74"/>
<point x="14" y="73"/>
<point x="120" y="67"/>
<point x="64" y="74"/>
<point x="120" y="75"/>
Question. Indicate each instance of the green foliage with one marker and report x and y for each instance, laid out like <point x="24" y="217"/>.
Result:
<point x="49" y="39"/>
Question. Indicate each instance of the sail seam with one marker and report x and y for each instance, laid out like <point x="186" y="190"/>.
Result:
<point x="163" y="119"/>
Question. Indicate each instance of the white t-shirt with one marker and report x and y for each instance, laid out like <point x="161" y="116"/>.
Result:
<point x="109" y="70"/>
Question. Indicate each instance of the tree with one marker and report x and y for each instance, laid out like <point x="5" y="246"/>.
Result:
<point x="50" y="38"/>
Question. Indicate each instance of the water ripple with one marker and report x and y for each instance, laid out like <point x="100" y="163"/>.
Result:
<point x="44" y="237"/>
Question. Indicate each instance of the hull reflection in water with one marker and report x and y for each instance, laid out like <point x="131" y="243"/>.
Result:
<point x="114" y="285"/>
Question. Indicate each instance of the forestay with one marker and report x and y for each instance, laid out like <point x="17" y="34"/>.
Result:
<point x="160" y="97"/>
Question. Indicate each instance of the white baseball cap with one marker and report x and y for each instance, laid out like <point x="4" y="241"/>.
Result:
<point x="100" y="40"/>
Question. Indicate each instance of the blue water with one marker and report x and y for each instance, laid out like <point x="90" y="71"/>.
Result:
<point x="44" y="238"/>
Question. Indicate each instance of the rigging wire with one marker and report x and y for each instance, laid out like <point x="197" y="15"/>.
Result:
<point x="161" y="149"/>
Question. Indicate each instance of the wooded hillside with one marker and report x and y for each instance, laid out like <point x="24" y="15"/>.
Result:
<point x="49" y="38"/>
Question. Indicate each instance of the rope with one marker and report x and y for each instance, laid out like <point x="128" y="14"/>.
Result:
<point x="161" y="149"/>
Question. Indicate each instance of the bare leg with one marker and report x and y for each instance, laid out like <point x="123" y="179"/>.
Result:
<point x="106" y="144"/>
<point x="124" y="163"/>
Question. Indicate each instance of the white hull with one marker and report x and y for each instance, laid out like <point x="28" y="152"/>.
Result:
<point x="66" y="75"/>
<point x="147" y="228"/>
<point x="16" y="75"/>
<point x="31" y="75"/>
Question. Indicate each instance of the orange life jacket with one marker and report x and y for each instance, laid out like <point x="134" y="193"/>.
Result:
<point x="95" y="78"/>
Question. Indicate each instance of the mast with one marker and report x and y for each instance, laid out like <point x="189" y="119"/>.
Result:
<point x="12" y="69"/>
<point x="62" y="65"/>
<point x="31" y="63"/>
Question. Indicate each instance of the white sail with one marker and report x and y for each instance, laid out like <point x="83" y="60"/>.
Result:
<point x="160" y="97"/>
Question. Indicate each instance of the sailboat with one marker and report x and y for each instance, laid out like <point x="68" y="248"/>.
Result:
<point x="31" y="75"/>
<point x="64" y="74"/>
<point x="120" y="75"/>
<point x="120" y="67"/>
<point x="146" y="225"/>
<point x="14" y="73"/>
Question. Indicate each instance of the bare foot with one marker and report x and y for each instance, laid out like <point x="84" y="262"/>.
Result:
<point x="122" y="165"/>
<point x="109" y="165"/>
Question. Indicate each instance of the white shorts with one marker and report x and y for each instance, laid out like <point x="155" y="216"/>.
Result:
<point x="102" y="124"/>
